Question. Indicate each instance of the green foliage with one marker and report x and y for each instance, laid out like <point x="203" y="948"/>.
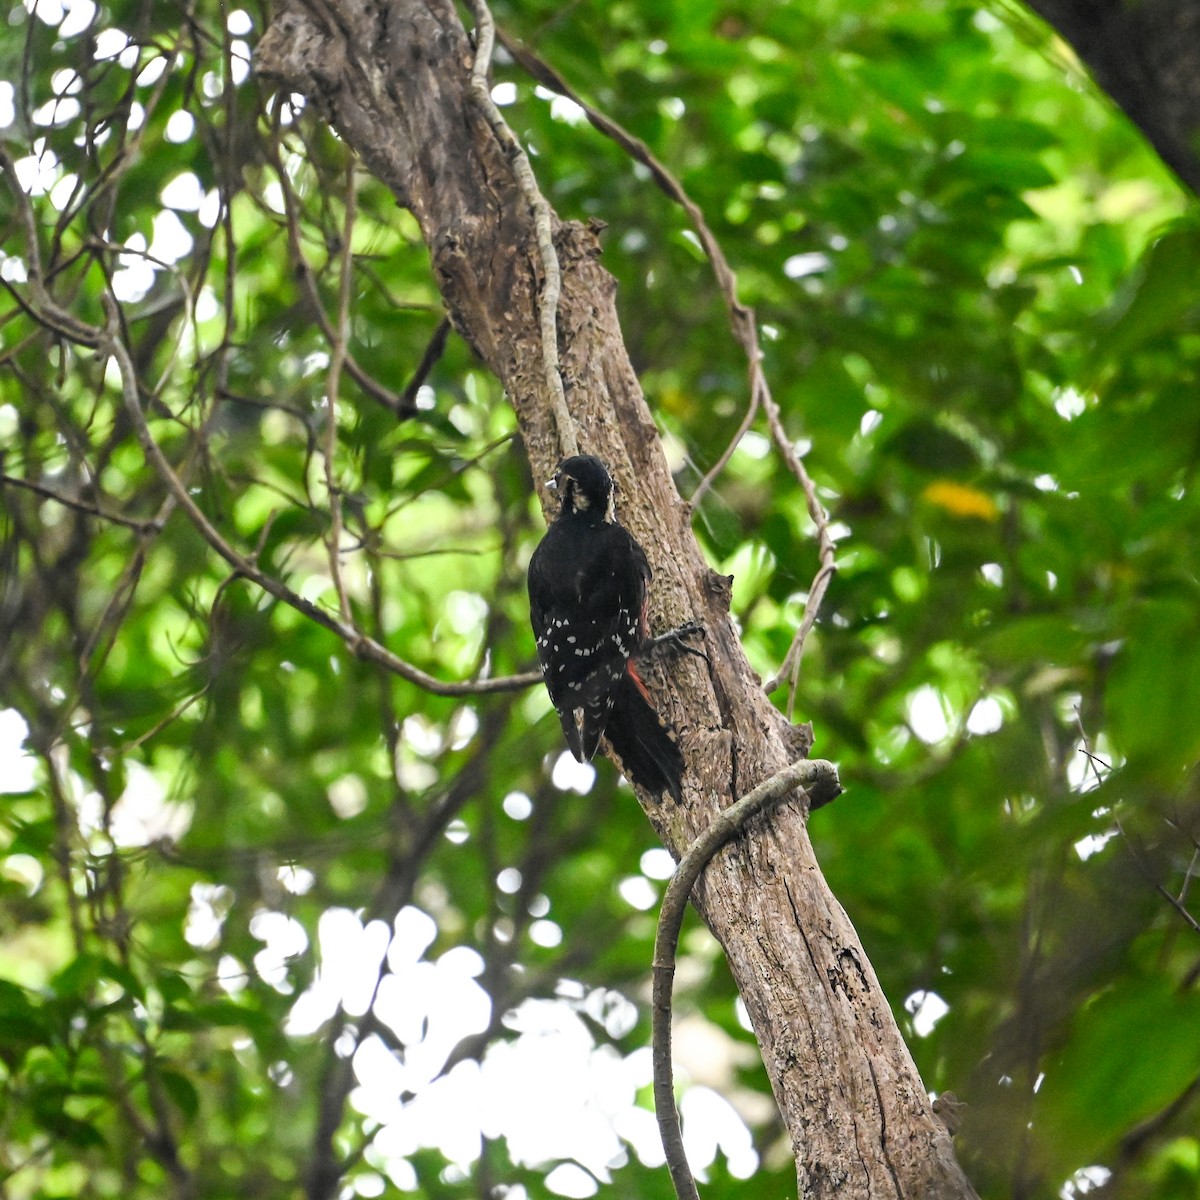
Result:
<point x="976" y="291"/>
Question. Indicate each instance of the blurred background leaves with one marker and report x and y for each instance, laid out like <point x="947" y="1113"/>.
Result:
<point x="975" y="286"/>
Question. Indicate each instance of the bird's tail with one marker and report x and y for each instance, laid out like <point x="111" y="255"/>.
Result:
<point x="643" y="744"/>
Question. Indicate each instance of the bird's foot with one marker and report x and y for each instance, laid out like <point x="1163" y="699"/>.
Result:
<point x="677" y="639"/>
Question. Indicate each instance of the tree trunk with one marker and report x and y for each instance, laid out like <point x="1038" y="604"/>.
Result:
<point x="1146" y="55"/>
<point x="392" y="76"/>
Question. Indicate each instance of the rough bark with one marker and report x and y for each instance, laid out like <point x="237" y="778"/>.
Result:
<point x="1146" y="55"/>
<point x="392" y="76"/>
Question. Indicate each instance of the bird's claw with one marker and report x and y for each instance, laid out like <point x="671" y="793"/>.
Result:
<point x="677" y="638"/>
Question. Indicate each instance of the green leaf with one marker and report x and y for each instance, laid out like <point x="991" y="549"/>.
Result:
<point x="1161" y="298"/>
<point x="182" y="1090"/>
<point x="82" y="1135"/>
<point x="1132" y="1051"/>
<point x="1155" y="687"/>
<point x="1040" y="641"/>
<point x="928" y="446"/>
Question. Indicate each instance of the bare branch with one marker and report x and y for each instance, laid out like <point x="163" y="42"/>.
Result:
<point x="402" y="406"/>
<point x="357" y="642"/>
<point x="333" y="383"/>
<point x="819" y="780"/>
<point x="433" y="351"/>
<point x="485" y="35"/>
<point x="92" y="510"/>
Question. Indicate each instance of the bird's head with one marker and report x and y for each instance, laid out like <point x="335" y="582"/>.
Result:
<point x="585" y="487"/>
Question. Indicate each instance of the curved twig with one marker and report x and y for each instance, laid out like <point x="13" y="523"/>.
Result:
<point x="402" y="405"/>
<point x="91" y="510"/>
<point x="819" y="780"/>
<point x="358" y="643"/>
<point x="337" y="360"/>
<point x="434" y="349"/>
<point x="485" y="39"/>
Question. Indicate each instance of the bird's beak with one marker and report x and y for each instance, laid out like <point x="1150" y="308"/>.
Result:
<point x="552" y="484"/>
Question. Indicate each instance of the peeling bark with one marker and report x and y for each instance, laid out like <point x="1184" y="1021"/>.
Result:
<point x="392" y="76"/>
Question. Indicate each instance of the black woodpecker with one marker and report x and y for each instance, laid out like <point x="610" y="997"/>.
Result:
<point x="587" y="600"/>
